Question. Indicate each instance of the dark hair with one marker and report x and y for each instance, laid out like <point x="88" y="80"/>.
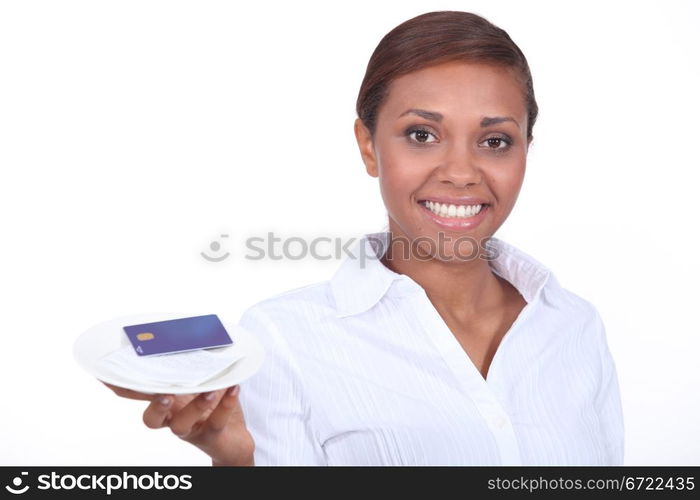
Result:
<point x="433" y="38"/>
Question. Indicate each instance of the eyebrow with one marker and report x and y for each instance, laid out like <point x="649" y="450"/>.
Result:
<point x="437" y="117"/>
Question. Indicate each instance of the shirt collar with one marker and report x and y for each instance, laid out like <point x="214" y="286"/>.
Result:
<point x="362" y="279"/>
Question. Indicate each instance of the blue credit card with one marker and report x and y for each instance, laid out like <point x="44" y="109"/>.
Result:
<point x="178" y="335"/>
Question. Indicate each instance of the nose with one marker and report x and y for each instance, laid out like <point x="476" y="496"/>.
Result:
<point x="459" y="166"/>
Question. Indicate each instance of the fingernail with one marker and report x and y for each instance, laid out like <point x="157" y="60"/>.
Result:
<point x="165" y="401"/>
<point x="209" y="395"/>
<point x="233" y="391"/>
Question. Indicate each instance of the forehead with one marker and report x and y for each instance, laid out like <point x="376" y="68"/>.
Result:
<point x="457" y="86"/>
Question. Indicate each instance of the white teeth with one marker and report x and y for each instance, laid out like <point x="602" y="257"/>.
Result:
<point x="457" y="211"/>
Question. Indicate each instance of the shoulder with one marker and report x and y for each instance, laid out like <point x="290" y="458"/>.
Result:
<point x="564" y="313"/>
<point x="294" y="310"/>
<point x="537" y="281"/>
<point x="575" y="318"/>
<point x="566" y="301"/>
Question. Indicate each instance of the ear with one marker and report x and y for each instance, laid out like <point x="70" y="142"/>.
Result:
<point x="366" y="145"/>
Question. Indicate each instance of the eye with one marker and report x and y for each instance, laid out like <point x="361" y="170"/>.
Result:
<point x="421" y="135"/>
<point x="498" y="144"/>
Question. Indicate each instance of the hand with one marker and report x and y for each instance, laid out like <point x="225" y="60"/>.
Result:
<point x="212" y="421"/>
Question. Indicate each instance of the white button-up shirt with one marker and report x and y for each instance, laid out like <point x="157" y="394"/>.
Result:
<point x="363" y="370"/>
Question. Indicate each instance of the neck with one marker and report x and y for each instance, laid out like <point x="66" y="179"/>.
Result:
<point x="463" y="287"/>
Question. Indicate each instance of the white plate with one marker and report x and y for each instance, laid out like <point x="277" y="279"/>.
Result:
<point x="107" y="337"/>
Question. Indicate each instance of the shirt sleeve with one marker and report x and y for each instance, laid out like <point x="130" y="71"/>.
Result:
<point x="274" y="406"/>
<point x="607" y="400"/>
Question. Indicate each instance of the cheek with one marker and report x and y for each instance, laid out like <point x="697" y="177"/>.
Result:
<point x="506" y="179"/>
<point x="399" y="176"/>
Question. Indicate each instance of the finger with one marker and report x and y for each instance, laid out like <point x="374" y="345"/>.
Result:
<point x="228" y="410"/>
<point x="156" y="414"/>
<point x="128" y="393"/>
<point x="182" y="422"/>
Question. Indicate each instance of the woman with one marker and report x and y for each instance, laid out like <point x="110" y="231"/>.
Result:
<point x="434" y="342"/>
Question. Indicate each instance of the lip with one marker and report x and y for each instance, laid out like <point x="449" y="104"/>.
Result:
<point x="465" y="200"/>
<point x="454" y="222"/>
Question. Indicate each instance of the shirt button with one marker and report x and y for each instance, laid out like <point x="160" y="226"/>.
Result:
<point x="499" y="422"/>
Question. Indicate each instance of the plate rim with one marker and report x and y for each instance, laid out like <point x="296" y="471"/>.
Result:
<point x="254" y="353"/>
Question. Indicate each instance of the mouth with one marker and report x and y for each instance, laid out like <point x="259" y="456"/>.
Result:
<point x="452" y="211"/>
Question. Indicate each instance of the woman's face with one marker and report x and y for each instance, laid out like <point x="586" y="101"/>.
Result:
<point x="451" y="134"/>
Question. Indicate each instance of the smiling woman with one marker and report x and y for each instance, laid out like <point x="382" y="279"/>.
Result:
<point x="450" y="346"/>
<point x="434" y="343"/>
<point x="449" y="147"/>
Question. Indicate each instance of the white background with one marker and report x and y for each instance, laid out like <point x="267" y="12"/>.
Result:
<point x="134" y="133"/>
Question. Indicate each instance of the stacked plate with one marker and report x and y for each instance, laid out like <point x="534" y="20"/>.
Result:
<point x="102" y="348"/>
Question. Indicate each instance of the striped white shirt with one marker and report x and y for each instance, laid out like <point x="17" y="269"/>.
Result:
<point x="362" y="370"/>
